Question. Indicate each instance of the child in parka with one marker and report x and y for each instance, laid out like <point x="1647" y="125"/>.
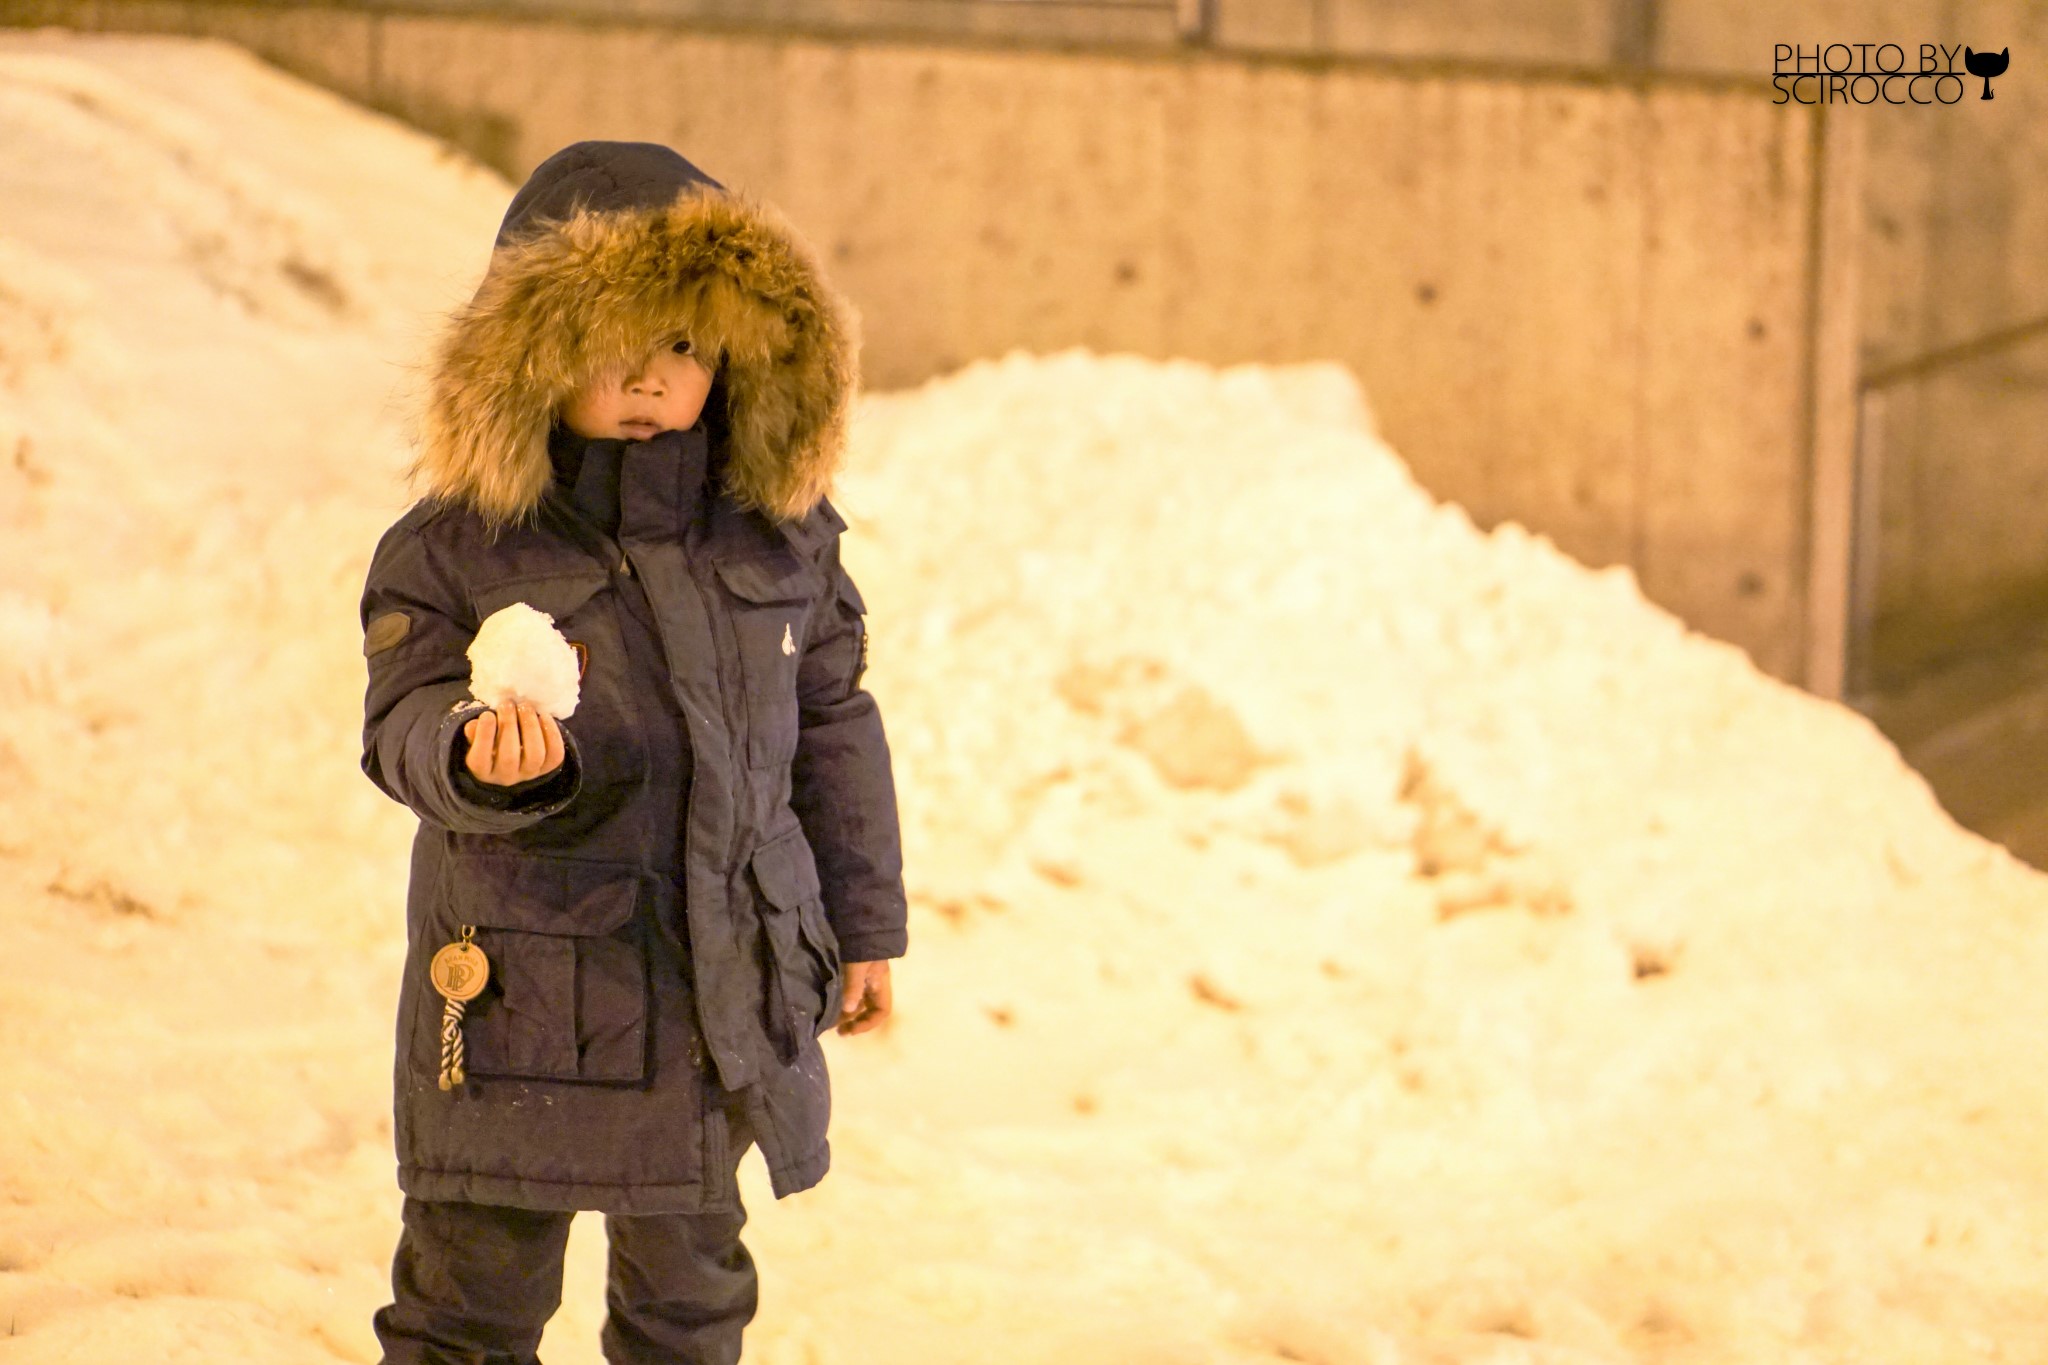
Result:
<point x="674" y="891"/>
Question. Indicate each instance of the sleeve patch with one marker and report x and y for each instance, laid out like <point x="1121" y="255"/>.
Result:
<point x="386" y="631"/>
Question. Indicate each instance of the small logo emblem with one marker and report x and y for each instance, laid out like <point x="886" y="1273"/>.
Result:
<point x="460" y="970"/>
<point x="788" y="644"/>
<point x="386" y="631"/>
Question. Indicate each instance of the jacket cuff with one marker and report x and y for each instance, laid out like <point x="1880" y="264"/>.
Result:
<point x="549" y="789"/>
<point x="873" y="947"/>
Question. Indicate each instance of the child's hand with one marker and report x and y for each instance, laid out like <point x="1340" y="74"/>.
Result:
<point x="867" y="996"/>
<point x="508" y="746"/>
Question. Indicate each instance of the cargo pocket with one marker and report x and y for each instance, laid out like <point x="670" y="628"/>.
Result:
<point x="770" y="611"/>
<point x="567" y="995"/>
<point x="560" y="595"/>
<point x="804" y="980"/>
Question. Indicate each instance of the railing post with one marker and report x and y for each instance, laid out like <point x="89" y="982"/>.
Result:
<point x="1195" y="21"/>
<point x="1865" y="541"/>
<point x="1831" y="389"/>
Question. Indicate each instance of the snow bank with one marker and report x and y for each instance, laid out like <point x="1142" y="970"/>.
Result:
<point x="1339" y="934"/>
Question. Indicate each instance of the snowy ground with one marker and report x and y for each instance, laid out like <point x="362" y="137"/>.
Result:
<point x="1338" y="935"/>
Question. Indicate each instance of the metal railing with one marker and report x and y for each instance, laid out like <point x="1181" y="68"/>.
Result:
<point x="1169" y="21"/>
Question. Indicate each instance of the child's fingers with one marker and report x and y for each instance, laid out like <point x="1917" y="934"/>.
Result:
<point x="516" y="742"/>
<point x="483" y="745"/>
<point x="877" y="1003"/>
<point x="862" y="1022"/>
<point x="553" y="733"/>
<point x="505" y="763"/>
<point x="533" y="744"/>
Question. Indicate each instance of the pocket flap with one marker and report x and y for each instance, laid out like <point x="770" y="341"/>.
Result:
<point x="787" y="870"/>
<point x="768" y="580"/>
<point x="541" y="895"/>
<point x="557" y="594"/>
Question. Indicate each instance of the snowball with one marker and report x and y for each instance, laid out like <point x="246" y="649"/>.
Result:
<point x="518" y="655"/>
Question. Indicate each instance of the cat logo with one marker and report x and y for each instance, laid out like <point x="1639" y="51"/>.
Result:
<point x="788" y="644"/>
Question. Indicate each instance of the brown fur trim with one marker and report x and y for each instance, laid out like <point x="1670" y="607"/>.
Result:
<point x="599" y="292"/>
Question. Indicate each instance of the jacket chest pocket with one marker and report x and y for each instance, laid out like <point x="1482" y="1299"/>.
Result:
<point x="566" y="597"/>
<point x="586" y="614"/>
<point x="567" y="993"/>
<point x="770" y="604"/>
<point x="805" y="979"/>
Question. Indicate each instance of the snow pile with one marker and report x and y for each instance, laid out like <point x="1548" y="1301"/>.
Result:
<point x="518" y="655"/>
<point x="248" y="236"/>
<point x="1338" y="934"/>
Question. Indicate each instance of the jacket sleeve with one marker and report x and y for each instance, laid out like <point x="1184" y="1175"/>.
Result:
<point x="416" y="637"/>
<point x="841" y="784"/>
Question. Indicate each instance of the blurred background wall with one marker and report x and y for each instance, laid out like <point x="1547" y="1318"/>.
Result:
<point x="1785" y="361"/>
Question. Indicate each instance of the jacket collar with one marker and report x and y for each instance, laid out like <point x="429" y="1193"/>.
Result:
<point x="654" y="489"/>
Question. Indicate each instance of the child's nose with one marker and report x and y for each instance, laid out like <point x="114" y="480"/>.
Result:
<point x="643" y="385"/>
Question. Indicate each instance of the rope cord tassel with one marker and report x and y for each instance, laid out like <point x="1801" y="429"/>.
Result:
<point x="451" y="1044"/>
<point x="459" y="972"/>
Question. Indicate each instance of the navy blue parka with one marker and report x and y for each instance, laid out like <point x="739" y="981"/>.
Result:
<point x="667" y="916"/>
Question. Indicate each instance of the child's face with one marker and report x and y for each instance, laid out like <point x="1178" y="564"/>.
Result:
<point x="666" y="395"/>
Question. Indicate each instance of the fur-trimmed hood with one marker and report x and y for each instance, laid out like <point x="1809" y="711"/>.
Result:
<point x="610" y="251"/>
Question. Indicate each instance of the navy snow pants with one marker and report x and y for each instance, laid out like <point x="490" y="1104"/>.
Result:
<point x="474" y="1284"/>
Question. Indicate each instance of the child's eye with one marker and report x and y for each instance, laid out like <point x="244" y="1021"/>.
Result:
<point x="682" y="347"/>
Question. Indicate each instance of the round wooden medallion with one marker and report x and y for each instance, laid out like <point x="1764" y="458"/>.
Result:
<point x="459" y="971"/>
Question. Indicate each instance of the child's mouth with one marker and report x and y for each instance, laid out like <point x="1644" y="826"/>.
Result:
<point x="638" y="428"/>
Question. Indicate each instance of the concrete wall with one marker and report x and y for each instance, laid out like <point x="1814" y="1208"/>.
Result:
<point x="1571" y="32"/>
<point x="1955" y="246"/>
<point x="1619" y="312"/>
<point x="1956" y="206"/>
